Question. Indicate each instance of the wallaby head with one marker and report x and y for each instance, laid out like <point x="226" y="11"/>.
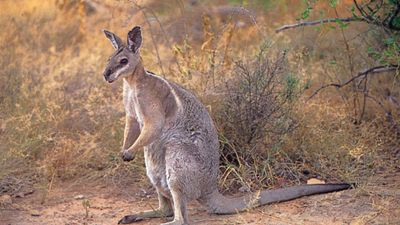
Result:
<point x="126" y="57"/>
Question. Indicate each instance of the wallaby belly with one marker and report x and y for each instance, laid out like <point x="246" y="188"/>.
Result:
<point x="155" y="170"/>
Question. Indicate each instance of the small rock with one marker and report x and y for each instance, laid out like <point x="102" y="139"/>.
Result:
<point x="315" y="181"/>
<point x="79" y="197"/>
<point x="34" y="213"/>
<point x="5" y="200"/>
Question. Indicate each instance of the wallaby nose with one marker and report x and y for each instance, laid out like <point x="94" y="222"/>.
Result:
<point x="107" y="74"/>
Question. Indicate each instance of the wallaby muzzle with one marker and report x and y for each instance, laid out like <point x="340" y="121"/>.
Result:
<point x="107" y="74"/>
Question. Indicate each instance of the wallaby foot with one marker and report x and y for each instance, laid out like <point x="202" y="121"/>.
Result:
<point x="164" y="210"/>
<point x="180" y="210"/>
<point x="158" y="213"/>
<point x="130" y="219"/>
<point x="174" y="223"/>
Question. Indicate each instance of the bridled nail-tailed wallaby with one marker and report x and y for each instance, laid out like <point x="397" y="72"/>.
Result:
<point x="179" y="141"/>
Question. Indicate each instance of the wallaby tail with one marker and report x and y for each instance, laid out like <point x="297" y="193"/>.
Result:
<point x="221" y="204"/>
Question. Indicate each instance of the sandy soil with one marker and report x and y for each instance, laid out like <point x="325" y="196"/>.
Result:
<point x="377" y="203"/>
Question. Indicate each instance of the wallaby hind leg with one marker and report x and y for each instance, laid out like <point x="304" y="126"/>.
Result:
<point x="180" y="210"/>
<point x="164" y="210"/>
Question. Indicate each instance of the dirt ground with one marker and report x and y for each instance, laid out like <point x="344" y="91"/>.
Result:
<point x="376" y="203"/>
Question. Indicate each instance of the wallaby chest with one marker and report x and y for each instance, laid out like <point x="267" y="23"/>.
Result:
<point x="131" y="103"/>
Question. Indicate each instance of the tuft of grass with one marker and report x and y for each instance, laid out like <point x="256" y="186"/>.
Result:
<point x="254" y="118"/>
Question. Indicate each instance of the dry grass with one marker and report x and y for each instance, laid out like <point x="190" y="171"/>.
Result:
<point x="61" y="121"/>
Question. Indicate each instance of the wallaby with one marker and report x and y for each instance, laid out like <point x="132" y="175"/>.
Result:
<point x="179" y="141"/>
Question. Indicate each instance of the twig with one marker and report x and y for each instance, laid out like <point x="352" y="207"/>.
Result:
<point x="161" y="28"/>
<point x="361" y="10"/>
<point x="365" y="94"/>
<point x="366" y="72"/>
<point x="393" y="16"/>
<point x="315" y="22"/>
<point x="372" y="19"/>
<point x="142" y="9"/>
<point x="253" y="20"/>
<point x="351" y="68"/>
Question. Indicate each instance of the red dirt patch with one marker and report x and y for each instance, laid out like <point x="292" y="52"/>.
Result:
<point x="377" y="203"/>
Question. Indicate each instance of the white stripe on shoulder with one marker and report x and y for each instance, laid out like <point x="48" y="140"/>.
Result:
<point x="178" y="101"/>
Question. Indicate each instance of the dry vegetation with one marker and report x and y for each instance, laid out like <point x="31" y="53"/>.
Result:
<point x="60" y="121"/>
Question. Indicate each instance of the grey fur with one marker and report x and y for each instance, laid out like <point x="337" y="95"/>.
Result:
<point x="181" y="147"/>
<point x="134" y="39"/>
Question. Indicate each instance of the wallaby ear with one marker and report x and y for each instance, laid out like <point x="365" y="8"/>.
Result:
<point x="134" y="39"/>
<point x="115" y="40"/>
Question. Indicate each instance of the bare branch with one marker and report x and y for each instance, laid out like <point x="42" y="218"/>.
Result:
<point x="151" y="11"/>
<point x="364" y="17"/>
<point x="143" y="10"/>
<point x="315" y="22"/>
<point x="361" y="10"/>
<point x="364" y="73"/>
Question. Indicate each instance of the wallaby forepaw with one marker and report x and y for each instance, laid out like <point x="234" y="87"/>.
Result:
<point x="130" y="219"/>
<point x="127" y="156"/>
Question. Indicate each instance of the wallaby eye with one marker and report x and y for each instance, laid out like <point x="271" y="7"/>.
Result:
<point x="123" y="61"/>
